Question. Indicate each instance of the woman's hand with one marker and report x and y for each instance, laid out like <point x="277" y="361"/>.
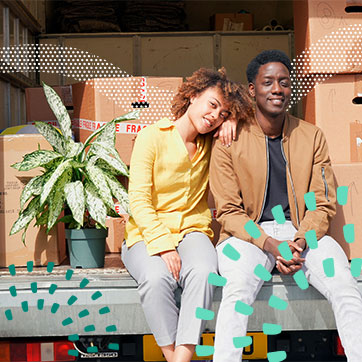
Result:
<point x="173" y="262"/>
<point x="227" y="132"/>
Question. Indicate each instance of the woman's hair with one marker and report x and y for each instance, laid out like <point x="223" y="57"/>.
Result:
<point x="235" y="95"/>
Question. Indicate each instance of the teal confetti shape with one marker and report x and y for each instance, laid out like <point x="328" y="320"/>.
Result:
<point x="29" y="266"/>
<point x="310" y="202"/>
<point x="277" y="303"/>
<point x="83" y="313"/>
<point x="217" y="280"/>
<point x="50" y="267"/>
<point x="285" y="251"/>
<point x="204" y="351"/>
<point x="348" y="233"/>
<point x="311" y="238"/>
<point x="104" y="310"/>
<point x="69" y="274"/>
<point x="204" y="314"/>
<point x="73" y="337"/>
<point x="8" y="315"/>
<point x="12" y="269"/>
<point x="277" y="356"/>
<point x="25" y="306"/>
<point x="262" y="273"/>
<point x="243" y="308"/>
<point x="113" y="346"/>
<point x="73" y="352"/>
<point x="84" y="283"/>
<point x="111" y="328"/>
<point x="242" y="342"/>
<point x="34" y="287"/>
<point x="342" y="195"/>
<point x="52" y="288"/>
<point x="67" y="321"/>
<point x="278" y="214"/>
<point x="72" y="300"/>
<point x="328" y="266"/>
<point x="301" y="280"/>
<point x="96" y="295"/>
<point x="271" y="329"/>
<point x="93" y="349"/>
<point x="231" y="252"/>
<point x="55" y="308"/>
<point x="12" y="291"/>
<point x="40" y="304"/>
<point x="252" y="229"/>
<point x="356" y="266"/>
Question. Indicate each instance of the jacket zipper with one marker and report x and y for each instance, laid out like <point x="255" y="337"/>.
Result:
<point x="291" y="181"/>
<point x="267" y="179"/>
<point x="325" y="183"/>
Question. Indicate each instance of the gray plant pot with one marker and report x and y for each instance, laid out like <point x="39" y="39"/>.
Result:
<point x="86" y="247"/>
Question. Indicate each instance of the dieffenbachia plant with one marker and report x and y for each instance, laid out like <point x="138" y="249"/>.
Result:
<point x="79" y="178"/>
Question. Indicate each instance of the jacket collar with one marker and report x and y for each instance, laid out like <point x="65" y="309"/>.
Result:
<point x="165" y="123"/>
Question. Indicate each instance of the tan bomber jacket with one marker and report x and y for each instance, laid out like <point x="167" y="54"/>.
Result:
<point x="239" y="178"/>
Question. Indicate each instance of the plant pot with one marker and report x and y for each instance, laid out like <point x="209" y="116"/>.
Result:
<point x="86" y="247"/>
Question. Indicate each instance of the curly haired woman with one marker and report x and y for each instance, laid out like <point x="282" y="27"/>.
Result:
<point x="168" y="238"/>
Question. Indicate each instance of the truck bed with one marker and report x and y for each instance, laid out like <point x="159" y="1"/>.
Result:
<point x="307" y="310"/>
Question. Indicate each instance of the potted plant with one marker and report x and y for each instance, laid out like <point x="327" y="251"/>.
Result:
<point x="79" y="179"/>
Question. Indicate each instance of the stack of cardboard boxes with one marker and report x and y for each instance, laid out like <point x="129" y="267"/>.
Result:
<point x="329" y="34"/>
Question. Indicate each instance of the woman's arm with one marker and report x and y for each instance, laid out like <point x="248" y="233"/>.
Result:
<point x="227" y="132"/>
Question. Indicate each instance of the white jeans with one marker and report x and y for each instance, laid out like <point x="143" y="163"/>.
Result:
<point x="242" y="284"/>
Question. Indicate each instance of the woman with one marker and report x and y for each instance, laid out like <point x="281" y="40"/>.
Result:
<point x="168" y="236"/>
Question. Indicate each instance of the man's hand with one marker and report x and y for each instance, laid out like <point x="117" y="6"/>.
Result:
<point x="173" y="262"/>
<point x="227" y="132"/>
<point x="285" y="267"/>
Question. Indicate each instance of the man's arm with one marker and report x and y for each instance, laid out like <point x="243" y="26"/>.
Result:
<point x="323" y="186"/>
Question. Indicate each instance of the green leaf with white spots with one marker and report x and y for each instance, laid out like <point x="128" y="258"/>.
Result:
<point x="33" y="187"/>
<point x="59" y="111"/>
<point x="73" y="148"/>
<point x="98" y="179"/>
<point x="49" y="185"/>
<point x="74" y="194"/>
<point x="26" y="216"/>
<point x="52" y="135"/>
<point x="97" y="209"/>
<point x="42" y="219"/>
<point x="36" y="159"/>
<point x="119" y="192"/>
<point x="56" y="199"/>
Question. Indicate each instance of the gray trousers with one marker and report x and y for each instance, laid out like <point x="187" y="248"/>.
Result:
<point x="156" y="286"/>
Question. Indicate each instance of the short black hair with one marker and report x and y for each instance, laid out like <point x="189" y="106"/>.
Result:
<point x="265" y="57"/>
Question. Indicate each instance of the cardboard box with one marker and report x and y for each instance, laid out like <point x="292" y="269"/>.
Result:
<point x="116" y="227"/>
<point x="349" y="175"/>
<point x="100" y="100"/>
<point x="37" y="108"/>
<point x="321" y="25"/>
<point x="40" y="247"/>
<point x="232" y="22"/>
<point x="338" y="114"/>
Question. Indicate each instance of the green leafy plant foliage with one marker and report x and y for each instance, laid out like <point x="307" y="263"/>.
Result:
<point x="79" y="178"/>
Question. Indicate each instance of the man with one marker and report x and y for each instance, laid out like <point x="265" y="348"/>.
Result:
<point x="275" y="160"/>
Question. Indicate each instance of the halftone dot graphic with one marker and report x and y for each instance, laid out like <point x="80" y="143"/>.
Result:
<point x="310" y="201"/>
<point x="278" y="214"/>
<point x="12" y="270"/>
<point x="104" y="310"/>
<point x="262" y="273"/>
<point x="50" y="267"/>
<point x="67" y="321"/>
<point x="8" y="315"/>
<point x="277" y="356"/>
<point x="271" y="329"/>
<point x="252" y="229"/>
<point x="243" y="308"/>
<point x="231" y="252"/>
<point x="83" y="313"/>
<point x="92" y="349"/>
<point x="285" y="251"/>
<point x="55" y="308"/>
<point x="348" y="233"/>
<point x="328" y="266"/>
<point x="311" y="238"/>
<point x="204" y="351"/>
<point x="34" y="287"/>
<point x="114" y="346"/>
<point x="356" y="267"/>
<point x="72" y="300"/>
<point x="73" y="352"/>
<point x="205" y="314"/>
<point x="30" y="266"/>
<point x="69" y="274"/>
<point x="40" y="304"/>
<point x="25" y="306"/>
<point x="342" y="195"/>
<point x="216" y="280"/>
<point x="301" y="280"/>
<point x="96" y="295"/>
<point x="277" y="303"/>
<point x="12" y="291"/>
<point x="73" y="338"/>
<point x="242" y="342"/>
<point x="52" y="288"/>
<point x="84" y="283"/>
<point x="111" y="328"/>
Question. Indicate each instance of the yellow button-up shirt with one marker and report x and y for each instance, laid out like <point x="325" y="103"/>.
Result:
<point x="167" y="190"/>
